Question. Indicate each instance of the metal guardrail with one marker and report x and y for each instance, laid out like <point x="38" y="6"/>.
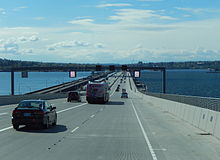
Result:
<point x="203" y="102"/>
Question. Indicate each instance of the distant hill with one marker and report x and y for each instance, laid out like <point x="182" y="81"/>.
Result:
<point x="5" y="63"/>
<point x="183" y="65"/>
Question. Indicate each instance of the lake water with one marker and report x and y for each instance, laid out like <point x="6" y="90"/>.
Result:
<point x="35" y="81"/>
<point x="184" y="82"/>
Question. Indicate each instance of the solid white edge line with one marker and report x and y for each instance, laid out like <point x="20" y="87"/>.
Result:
<point x="74" y="129"/>
<point x="145" y="134"/>
<point x="8" y="106"/>
<point x="3" y="113"/>
<point x="112" y="93"/>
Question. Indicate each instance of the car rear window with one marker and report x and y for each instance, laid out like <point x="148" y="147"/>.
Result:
<point x="31" y="104"/>
<point x="73" y="93"/>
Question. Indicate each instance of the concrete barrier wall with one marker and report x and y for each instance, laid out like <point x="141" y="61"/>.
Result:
<point x="5" y="100"/>
<point x="217" y="125"/>
<point x="202" y="118"/>
<point x="203" y="102"/>
<point x="205" y="114"/>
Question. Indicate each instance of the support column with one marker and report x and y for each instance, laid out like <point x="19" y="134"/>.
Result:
<point x="164" y="81"/>
<point x="12" y="82"/>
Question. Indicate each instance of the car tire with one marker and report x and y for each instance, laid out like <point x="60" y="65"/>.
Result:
<point x="46" y="125"/>
<point x="16" y="126"/>
<point x="55" y="122"/>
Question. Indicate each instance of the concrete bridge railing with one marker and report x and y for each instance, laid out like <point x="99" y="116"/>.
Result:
<point x="6" y="100"/>
<point x="201" y="112"/>
<point x="202" y="116"/>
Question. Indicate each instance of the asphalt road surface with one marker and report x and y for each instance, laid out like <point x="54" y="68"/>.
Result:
<point x="122" y="129"/>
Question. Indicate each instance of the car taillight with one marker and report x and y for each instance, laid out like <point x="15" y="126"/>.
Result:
<point x="15" y="112"/>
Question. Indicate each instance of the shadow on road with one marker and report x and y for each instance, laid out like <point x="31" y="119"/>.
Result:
<point x="115" y="103"/>
<point x="52" y="129"/>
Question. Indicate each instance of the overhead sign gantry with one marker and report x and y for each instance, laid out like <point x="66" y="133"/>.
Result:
<point x="73" y="71"/>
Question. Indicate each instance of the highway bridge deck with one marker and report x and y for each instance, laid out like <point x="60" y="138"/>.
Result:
<point x="123" y="129"/>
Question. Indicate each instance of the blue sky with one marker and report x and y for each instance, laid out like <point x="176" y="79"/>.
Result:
<point x="110" y="31"/>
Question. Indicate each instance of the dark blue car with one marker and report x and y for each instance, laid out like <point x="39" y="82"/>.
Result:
<point x="34" y="112"/>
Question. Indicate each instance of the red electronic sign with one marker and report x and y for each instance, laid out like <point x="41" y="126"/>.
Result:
<point x="72" y="74"/>
<point x="137" y="74"/>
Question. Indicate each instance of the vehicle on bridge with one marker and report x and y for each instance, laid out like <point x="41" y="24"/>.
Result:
<point x="124" y="95"/>
<point x="34" y="112"/>
<point x="74" y="96"/>
<point x="97" y="92"/>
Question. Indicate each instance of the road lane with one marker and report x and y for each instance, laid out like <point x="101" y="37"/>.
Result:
<point x="5" y="120"/>
<point x="113" y="133"/>
<point x="39" y="141"/>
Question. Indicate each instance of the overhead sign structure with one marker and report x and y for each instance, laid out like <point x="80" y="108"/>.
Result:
<point x="72" y="74"/>
<point x="24" y="74"/>
<point x="137" y="74"/>
<point x="124" y="67"/>
<point x="112" y="68"/>
<point x="98" y="67"/>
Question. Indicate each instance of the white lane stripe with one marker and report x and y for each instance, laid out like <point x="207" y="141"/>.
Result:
<point x="72" y="108"/>
<point x="74" y="129"/>
<point x="4" y="129"/>
<point x="3" y="113"/>
<point x="145" y="134"/>
<point x="92" y="116"/>
<point x="112" y="93"/>
<point x="8" y="106"/>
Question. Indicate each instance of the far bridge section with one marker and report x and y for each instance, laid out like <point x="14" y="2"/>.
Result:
<point x="70" y="86"/>
<point x="59" y="91"/>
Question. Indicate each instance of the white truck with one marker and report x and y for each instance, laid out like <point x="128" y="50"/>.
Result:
<point x="97" y="92"/>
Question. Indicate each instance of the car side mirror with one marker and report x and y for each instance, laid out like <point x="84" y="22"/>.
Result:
<point x="53" y="108"/>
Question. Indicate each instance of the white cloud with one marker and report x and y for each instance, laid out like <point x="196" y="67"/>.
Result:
<point x="20" y="8"/>
<point x="138" y="16"/>
<point x="99" y="45"/>
<point x="2" y="11"/>
<point x="119" y="42"/>
<point x="81" y="44"/>
<point x="198" y="10"/>
<point x="39" y="18"/>
<point x="81" y="21"/>
<point x="150" y="0"/>
<point x="9" y="47"/>
<point x="113" y="5"/>
<point x="67" y="44"/>
<point x="51" y="48"/>
<point x="22" y="39"/>
<point x="34" y="38"/>
<point x="26" y="51"/>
